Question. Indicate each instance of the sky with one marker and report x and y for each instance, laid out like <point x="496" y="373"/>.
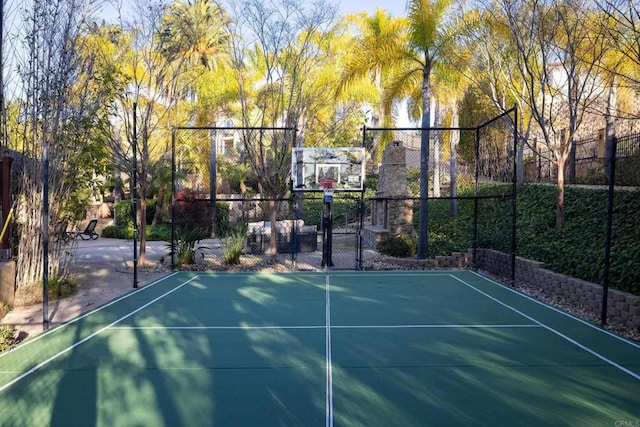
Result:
<point x="395" y="7"/>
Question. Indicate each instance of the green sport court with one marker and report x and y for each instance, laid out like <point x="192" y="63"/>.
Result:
<point x="322" y="348"/>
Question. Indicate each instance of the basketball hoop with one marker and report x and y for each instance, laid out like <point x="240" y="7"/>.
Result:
<point x="328" y="186"/>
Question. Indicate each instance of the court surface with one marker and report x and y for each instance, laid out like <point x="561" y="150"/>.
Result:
<point x="322" y="348"/>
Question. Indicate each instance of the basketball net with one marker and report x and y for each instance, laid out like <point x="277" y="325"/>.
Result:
<point x="328" y="186"/>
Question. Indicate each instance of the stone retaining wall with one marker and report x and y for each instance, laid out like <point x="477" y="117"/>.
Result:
<point x="623" y="308"/>
<point x="456" y="261"/>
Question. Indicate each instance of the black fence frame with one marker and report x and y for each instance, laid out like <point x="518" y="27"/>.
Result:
<point x="510" y="114"/>
<point x="514" y="184"/>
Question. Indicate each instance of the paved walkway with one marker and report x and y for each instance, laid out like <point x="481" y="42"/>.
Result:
<point x="103" y="269"/>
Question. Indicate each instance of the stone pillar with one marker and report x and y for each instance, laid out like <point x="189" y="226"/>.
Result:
<point x="394" y="212"/>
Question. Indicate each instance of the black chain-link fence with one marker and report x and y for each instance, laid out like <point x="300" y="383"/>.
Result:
<point x="587" y="163"/>
<point x="363" y="224"/>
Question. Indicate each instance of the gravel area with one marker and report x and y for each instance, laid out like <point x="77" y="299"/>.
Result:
<point x="578" y="311"/>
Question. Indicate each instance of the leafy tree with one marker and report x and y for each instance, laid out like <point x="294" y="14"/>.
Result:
<point x="491" y="55"/>
<point x="621" y="71"/>
<point x="200" y="37"/>
<point x="273" y="75"/>
<point x="559" y="58"/>
<point x="61" y="101"/>
<point x="163" y="53"/>
<point x="623" y="31"/>
<point x="410" y="58"/>
<point x="197" y="33"/>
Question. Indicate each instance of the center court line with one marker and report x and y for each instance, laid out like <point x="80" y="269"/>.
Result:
<point x="87" y="338"/>
<point x="550" y="329"/>
<point x="329" y="394"/>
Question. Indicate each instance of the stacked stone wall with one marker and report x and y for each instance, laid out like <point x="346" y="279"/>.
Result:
<point x="455" y="261"/>
<point x="623" y="308"/>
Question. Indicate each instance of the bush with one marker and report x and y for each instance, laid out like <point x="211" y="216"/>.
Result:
<point x="187" y="240"/>
<point x="114" y="232"/>
<point x="234" y="244"/>
<point x="159" y="232"/>
<point x="628" y="170"/>
<point x="124" y="217"/>
<point x="398" y="246"/>
<point x="344" y="209"/>
<point x="61" y="287"/>
<point x="190" y="211"/>
<point x="7" y="337"/>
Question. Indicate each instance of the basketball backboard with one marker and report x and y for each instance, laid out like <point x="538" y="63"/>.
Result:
<point x="311" y="166"/>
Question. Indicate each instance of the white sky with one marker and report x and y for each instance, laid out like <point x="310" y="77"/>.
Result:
<point x="395" y="7"/>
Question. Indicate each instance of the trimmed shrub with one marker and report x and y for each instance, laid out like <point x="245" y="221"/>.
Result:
<point x="398" y="246"/>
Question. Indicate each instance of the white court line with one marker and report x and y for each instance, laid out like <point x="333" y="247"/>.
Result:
<point x="461" y="326"/>
<point x="550" y="329"/>
<point x="87" y="338"/>
<point x="400" y="326"/>
<point x="222" y="328"/>
<point x="102" y="307"/>
<point x="329" y="395"/>
<point x="390" y="274"/>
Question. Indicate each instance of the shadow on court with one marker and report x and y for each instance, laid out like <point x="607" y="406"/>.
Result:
<point x="373" y="349"/>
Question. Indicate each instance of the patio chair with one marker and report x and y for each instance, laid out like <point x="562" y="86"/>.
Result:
<point x="60" y="232"/>
<point x="89" y="232"/>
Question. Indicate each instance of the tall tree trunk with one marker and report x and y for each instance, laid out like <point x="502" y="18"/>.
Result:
<point x="454" y="139"/>
<point x="157" y="214"/>
<point x="437" y="142"/>
<point x="561" y="162"/>
<point x="423" y="228"/>
<point x="273" y="216"/>
<point x="142" y="213"/>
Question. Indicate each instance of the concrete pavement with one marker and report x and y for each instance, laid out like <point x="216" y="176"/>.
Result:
<point x="103" y="269"/>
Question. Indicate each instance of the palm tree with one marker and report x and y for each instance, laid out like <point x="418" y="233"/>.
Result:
<point x="366" y="62"/>
<point x="196" y="36"/>
<point x="410" y="57"/>
<point x="196" y="32"/>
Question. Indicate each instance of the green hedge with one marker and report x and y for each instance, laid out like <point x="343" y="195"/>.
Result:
<point x="124" y="219"/>
<point x="576" y="250"/>
<point x="344" y="209"/>
<point x="159" y="232"/>
<point x="124" y="216"/>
